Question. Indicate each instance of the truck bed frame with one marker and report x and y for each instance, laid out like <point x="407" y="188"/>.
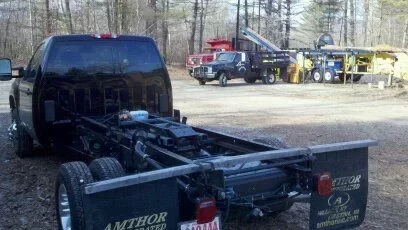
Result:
<point x="164" y="154"/>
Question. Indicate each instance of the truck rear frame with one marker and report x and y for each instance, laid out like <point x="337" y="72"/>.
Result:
<point x="185" y="166"/>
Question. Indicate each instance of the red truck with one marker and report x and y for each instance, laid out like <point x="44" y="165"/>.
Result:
<point x="216" y="45"/>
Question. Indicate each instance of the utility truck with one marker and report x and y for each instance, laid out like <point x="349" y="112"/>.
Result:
<point x="108" y="98"/>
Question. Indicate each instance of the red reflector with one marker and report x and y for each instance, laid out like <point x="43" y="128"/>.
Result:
<point x="324" y="184"/>
<point x="206" y="210"/>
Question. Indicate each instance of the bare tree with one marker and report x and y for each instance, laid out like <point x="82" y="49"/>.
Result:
<point x="352" y="22"/>
<point x="366" y="14"/>
<point x="203" y="15"/>
<point x="287" y="24"/>
<point x="345" y="22"/>
<point x="47" y="17"/>
<point x="191" y="41"/>
<point x="68" y="17"/>
<point x="165" y="26"/>
<point x="151" y="21"/>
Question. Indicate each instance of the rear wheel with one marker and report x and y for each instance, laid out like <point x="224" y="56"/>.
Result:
<point x="223" y="80"/>
<point x="68" y="195"/>
<point x="329" y="76"/>
<point x="317" y="77"/>
<point x="269" y="79"/>
<point x="106" y="168"/>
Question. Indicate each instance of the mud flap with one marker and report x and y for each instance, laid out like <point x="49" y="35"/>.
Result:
<point x="150" y="205"/>
<point x="345" y="207"/>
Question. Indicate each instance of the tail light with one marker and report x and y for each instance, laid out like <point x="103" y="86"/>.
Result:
<point x="324" y="184"/>
<point x="206" y="210"/>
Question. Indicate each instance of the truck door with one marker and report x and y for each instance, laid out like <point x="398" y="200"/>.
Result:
<point x="241" y="65"/>
<point x="26" y="87"/>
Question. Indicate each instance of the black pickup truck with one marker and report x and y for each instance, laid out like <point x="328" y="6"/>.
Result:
<point x="249" y="65"/>
<point x="109" y="99"/>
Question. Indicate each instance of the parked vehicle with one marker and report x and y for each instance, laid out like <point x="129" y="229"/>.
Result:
<point x="216" y="45"/>
<point x="109" y="98"/>
<point x="251" y="66"/>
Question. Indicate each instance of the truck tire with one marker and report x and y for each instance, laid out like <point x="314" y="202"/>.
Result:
<point x="68" y="195"/>
<point x="317" y="76"/>
<point x="190" y="72"/>
<point x="269" y="79"/>
<point x="23" y="142"/>
<point x="357" y="78"/>
<point x="329" y="76"/>
<point x="201" y="82"/>
<point x="251" y="80"/>
<point x="341" y="78"/>
<point x="223" y="80"/>
<point x="106" y="168"/>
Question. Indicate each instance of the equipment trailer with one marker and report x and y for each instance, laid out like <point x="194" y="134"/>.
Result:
<point x="150" y="170"/>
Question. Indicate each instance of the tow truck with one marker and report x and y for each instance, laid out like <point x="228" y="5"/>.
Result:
<point x="108" y="99"/>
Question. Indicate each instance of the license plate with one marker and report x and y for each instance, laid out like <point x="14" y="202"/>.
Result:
<point x="192" y="225"/>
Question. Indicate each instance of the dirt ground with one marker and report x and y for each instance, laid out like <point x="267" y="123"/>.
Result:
<point x="301" y="115"/>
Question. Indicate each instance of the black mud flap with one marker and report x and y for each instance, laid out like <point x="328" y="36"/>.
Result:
<point x="151" y="205"/>
<point x="345" y="207"/>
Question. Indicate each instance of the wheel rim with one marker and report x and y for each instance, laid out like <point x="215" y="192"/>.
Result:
<point x="224" y="80"/>
<point x="327" y="76"/>
<point x="271" y="78"/>
<point x="12" y="131"/>
<point x="316" y="76"/>
<point x="63" y="208"/>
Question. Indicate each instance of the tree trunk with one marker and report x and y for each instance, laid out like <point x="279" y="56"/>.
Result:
<point x="108" y="15"/>
<point x="165" y="28"/>
<point x="69" y="17"/>
<point x="404" y="37"/>
<point x="280" y="24"/>
<point x="345" y="23"/>
<point x="6" y="35"/>
<point x="88" y="16"/>
<point x="246" y="13"/>
<point x="124" y="20"/>
<point x="47" y="18"/>
<point x="268" y="18"/>
<point x="151" y="22"/>
<point x="191" y="41"/>
<point x="116" y="16"/>
<point x="381" y="24"/>
<point x="352" y="23"/>
<point x="372" y="23"/>
<point x="287" y="23"/>
<point x="366" y="14"/>
<point x="201" y="30"/>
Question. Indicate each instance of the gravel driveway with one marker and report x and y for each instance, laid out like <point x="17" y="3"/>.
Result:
<point x="301" y="115"/>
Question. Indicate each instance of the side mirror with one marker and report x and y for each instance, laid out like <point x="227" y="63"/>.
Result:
<point x="5" y="69"/>
<point x="17" y="72"/>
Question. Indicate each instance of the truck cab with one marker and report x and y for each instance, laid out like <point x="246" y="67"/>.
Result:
<point x="89" y="75"/>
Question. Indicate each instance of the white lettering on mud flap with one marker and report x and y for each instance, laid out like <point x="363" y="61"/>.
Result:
<point x="348" y="183"/>
<point x="338" y="211"/>
<point x="149" y="222"/>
